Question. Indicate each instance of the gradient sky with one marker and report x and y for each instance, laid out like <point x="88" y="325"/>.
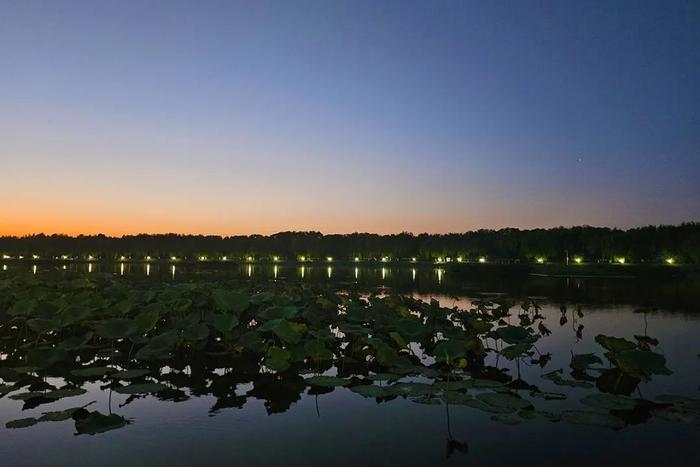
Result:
<point x="433" y="116"/>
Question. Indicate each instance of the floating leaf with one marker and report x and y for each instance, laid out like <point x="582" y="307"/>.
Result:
<point x="614" y="344"/>
<point x="277" y="358"/>
<point x="504" y="400"/>
<point x="327" y="381"/>
<point x="370" y="390"/>
<point x="230" y="301"/>
<point x="92" y="372"/>
<point x="130" y="374"/>
<point x="116" y="328"/>
<point x="609" y="402"/>
<point x="21" y="423"/>
<point x="91" y="423"/>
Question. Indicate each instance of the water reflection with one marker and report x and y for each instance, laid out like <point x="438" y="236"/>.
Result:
<point x="172" y="271"/>
<point x="547" y="387"/>
<point x="653" y="291"/>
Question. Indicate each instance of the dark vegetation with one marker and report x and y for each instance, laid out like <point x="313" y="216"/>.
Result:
<point x="281" y="341"/>
<point x="591" y="244"/>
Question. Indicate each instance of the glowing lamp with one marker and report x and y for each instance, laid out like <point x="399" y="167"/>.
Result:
<point x="482" y="259"/>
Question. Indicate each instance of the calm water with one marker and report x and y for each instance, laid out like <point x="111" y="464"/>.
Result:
<point x="257" y="420"/>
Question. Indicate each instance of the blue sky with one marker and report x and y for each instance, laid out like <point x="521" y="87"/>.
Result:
<point x="243" y="117"/>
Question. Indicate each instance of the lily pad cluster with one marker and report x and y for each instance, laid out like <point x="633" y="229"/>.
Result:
<point x="282" y="340"/>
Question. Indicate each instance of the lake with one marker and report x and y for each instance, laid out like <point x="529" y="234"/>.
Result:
<point x="334" y="364"/>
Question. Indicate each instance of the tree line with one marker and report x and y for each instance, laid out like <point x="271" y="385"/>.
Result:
<point x="644" y="244"/>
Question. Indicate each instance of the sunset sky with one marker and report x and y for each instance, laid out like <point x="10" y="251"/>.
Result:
<point x="383" y="116"/>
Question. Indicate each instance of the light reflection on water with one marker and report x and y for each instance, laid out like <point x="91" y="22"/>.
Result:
<point x="422" y="278"/>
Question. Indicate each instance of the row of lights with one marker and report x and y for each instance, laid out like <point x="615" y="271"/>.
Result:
<point x="384" y="259"/>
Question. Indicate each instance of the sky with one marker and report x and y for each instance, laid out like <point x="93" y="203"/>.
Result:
<point x="226" y="117"/>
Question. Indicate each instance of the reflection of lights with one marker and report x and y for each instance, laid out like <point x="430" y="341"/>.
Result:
<point x="540" y="260"/>
<point x="34" y="269"/>
<point x="90" y="267"/>
<point x="148" y="269"/>
<point x="64" y="267"/>
<point x="250" y="270"/>
<point x="302" y="270"/>
<point x="329" y="259"/>
<point x="172" y="271"/>
<point x="121" y="269"/>
<point x="413" y="273"/>
<point x="482" y="259"/>
<point x="357" y="273"/>
<point x="439" y="275"/>
<point x="274" y="271"/>
<point x="330" y="272"/>
<point x="578" y="260"/>
<point x="4" y="267"/>
<point x="383" y="273"/>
